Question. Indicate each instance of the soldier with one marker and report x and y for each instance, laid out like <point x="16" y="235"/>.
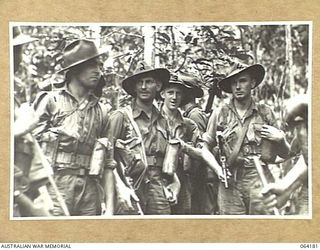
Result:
<point x="71" y="122"/>
<point x="277" y="194"/>
<point x="24" y="188"/>
<point x="175" y="95"/>
<point x="248" y="131"/>
<point x="140" y="138"/>
<point x="204" y="180"/>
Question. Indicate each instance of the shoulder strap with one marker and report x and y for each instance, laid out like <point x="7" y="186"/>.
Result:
<point x="237" y="147"/>
<point x="128" y="111"/>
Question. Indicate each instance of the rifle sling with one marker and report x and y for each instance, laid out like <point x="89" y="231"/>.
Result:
<point x="234" y="154"/>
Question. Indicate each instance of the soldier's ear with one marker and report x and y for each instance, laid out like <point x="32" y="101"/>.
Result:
<point x="162" y="94"/>
<point x="159" y="85"/>
<point x="253" y="83"/>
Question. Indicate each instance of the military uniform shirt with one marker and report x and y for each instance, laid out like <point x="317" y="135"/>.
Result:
<point x="77" y="125"/>
<point x="228" y="121"/>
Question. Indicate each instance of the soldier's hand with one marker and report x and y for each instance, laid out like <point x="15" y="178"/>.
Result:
<point x="274" y="195"/>
<point x="104" y="210"/>
<point x="271" y="133"/>
<point x="26" y="121"/>
<point x="125" y="195"/>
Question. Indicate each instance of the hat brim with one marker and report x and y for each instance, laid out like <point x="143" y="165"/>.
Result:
<point x="257" y="71"/>
<point x="162" y="74"/>
<point x="100" y="52"/>
<point x="23" y="39"/>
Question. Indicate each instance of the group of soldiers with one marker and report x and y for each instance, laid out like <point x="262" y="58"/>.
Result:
<point x="150" y="159"/>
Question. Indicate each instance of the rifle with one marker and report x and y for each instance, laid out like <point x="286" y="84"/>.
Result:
<point x="222" y="157"/>
<point x="257" y="164"/>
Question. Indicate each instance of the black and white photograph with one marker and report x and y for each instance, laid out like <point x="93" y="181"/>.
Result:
<point x="160" y="120"/>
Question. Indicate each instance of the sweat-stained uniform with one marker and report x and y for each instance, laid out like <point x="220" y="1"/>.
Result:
<point x="153" y="129"/>
<point x="186" y="130"/>
<point x="67" y="133"/>
<point x="242" y="195"/>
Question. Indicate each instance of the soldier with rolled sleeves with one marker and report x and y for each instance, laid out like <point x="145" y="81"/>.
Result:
<point x="296" y="180"/>
<point x="71" y="123"/>
<point x="140" y="137"/>
<point x="248" y="130"/>
<point x="175" y="94"/>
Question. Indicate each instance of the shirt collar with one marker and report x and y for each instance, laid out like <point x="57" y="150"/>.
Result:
<point x="92" y="98"/>
<point x="137" y="111"/>
<point x="252" y="108"/>
<point x="178" y="119"/>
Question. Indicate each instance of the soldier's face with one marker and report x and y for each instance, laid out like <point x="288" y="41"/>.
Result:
<point x="172" y="97"/>
<point x="89" y="74"/>
<point x="241" y="86"/>
<point x="301" y="133"/>
<point x="146" y="88"/>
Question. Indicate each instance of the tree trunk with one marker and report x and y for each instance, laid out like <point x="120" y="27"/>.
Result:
<point x="148" y="33"/>
<point x="289" y="60"/>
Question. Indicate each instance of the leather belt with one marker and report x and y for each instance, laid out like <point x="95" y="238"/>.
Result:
<point x="249" y="149"/>
<point x="71" y="171"/>
<point x="73" y="158"/>
<point x="155" y="161"/>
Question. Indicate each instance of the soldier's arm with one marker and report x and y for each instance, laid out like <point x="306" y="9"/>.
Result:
<point x="277" y="194"/>
<point x="273" y="133"/>
<point x="116" y="130"/>
<point x="209" y="136"/>
<point x="199" y="119"/>
<point x="108" y="183"/>
<point x="208" y="143"/>
<point x="26" y="121"/>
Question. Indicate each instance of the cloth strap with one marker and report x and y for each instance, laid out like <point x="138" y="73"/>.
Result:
<point x="234" y="154"/>
<point x="128" y="112"/>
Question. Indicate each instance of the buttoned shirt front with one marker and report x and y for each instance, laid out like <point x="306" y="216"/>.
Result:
<point x="181" y="127"/>
<point x="77" y="124"/>
<point x="152" y="126"/>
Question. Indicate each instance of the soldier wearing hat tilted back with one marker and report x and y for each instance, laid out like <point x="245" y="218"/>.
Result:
<point x="140" y="139"/>
<point x="175" y="94"/>
<point x="72" y="121"/>
<point x="248" y="129"/>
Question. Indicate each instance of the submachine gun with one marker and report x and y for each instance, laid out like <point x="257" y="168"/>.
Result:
<point x="222" y="157"/>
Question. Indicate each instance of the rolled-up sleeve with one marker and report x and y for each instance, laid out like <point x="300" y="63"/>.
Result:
<point x="114" y="130"/>
<point x="209" y="136"/>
